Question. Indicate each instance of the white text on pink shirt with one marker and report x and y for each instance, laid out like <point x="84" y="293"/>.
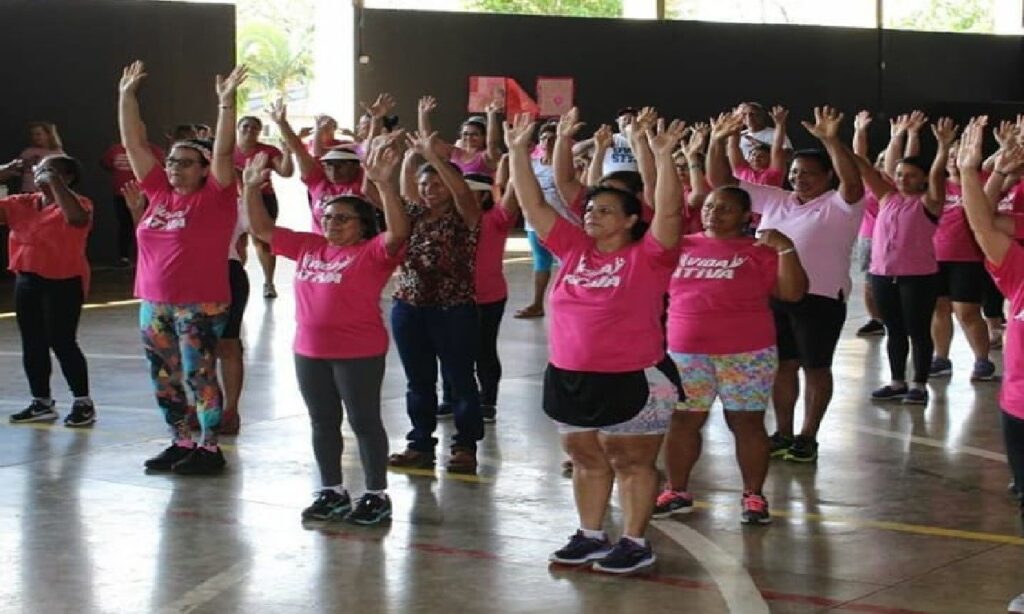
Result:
<point x="605" y="277"/>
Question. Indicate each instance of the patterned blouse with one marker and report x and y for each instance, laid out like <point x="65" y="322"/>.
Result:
<point x="439" y="262"/>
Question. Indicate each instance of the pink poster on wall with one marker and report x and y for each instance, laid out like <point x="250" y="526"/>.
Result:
<point x="484" y="90"/>
<point x="555" y="95"/>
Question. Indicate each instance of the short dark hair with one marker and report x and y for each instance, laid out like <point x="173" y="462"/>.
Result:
<point x="631" y="205"/>
<point x="548" y="127"/>
<point x="626" y="111"/>
<point x="364" y="210"/>
<point x="68" y="166"/>
<point x="917" y="162"/>
<point x="738" y="192"/>
<point x="632" y="179"/>
<point x="249" y="118"/>
<point x="817" y="155"/>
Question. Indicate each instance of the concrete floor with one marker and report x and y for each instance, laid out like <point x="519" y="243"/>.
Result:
<point x="906" y="511"/>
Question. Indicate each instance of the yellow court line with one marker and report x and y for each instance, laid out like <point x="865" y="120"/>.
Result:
<point x="10" y="314"/>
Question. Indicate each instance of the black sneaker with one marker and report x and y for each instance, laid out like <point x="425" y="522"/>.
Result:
<point x="626" y="557"/>
<point x="873" y="328"/>
<point x="166" y="459"/>
<point x="370" y="509"/>
<point x="916" y="396"/>
<point x="889" y="393"/>
<point x="489" y="413"/>
<point x="581" y="550"/>
<point x="36" y="412"/>
<point x="779" y="444"/>
<point x="803" y="450"/>
<point x="82" y="414"/>
<point x="201" y="462"/>
<point x="328" y="505"/>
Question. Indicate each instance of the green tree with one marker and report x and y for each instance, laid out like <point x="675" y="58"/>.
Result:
<point x="568" y="8"/>
<point x="275" y="63"/>
<point x="943" y="16"/>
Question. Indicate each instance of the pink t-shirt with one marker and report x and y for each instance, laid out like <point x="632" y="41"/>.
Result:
<point x="719" y="296"/>
<point x="495" y="224"/>
<point x="320" y="188"/>
<point x="605" y="308"/>
<point x="902" y="239"/>
<point x="183" y="242"/>
<point x="42" y="241"/>
<point x="766" y="176"/>
<point x="954" y="241"/>
<point x="115" y="160"/>
<point x="867" y="223"/>
<point x="337" y="294"/>
<point x="823" y="231"/>
<point x="241" y="158"/>
<point x="471" y="163"/>
<point x="1009" y="278"/>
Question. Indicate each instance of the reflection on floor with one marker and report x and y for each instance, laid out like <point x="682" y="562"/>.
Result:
<point x="906" y="511"/>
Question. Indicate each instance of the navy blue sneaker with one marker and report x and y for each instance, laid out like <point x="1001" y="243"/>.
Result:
<point x="328" y="505"/>
<point x="626" y="557"/>
<point x="889" y="393"/>
<point x="370" y="509"/>
<point x="581" y="550"/>
<point x="941" y="367"/>
<point x="916" y="396"/>
<point x="984" y="370"/>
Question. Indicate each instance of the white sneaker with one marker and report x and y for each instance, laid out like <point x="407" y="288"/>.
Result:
<point x="1017" y="605"/>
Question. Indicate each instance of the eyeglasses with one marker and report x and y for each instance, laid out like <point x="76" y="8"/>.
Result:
<point x="180" y="162"/>
<point x="341" y="218"/>
<point x="469" y="134"/>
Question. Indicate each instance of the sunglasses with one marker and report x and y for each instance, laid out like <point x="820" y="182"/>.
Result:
<point x="341" y="218"/>
<point x="180" y="162"/>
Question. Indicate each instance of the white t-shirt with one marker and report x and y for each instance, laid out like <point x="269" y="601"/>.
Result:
<point x="546" y="178"/>
<point x="764" y="135"/>
<point x="619" y="157"/>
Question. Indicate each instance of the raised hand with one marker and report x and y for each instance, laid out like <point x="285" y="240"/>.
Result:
<point x="380" y="107"/>
<point x="569" y="124"/>
<point x="774" y="239"/>
<point x="495" y="106"/>
<point x="131" y="77"/>
<point x="227" y="86"/>
<point x="969" y="155"/>
<point x="664" y="141"/>
<point x="1010" y="160"/>
<point x="862" y="120"/>
<point x="426" y="104"/>
<point x="278" y="111"/>
<point x="519" y="133"/>
<point x="726" y="125"/>
<point x="916" y="121"/>
<point x="423" y="144"/>
<point x="134" y="198"/>
<point x="603" y="138"/>
<point x="898" y="125"/>
<point x="645" y="120"/>
<point x="383" y="159"/>
<point x="1004" y="133"/>
<point x="698" y="139"/>
<point x="826" y="123"/>
<point x="256" y="173"/>
<point x="779" y="115"/>
<point x="945" y="131"/>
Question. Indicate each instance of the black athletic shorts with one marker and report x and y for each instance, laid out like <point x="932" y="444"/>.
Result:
<point x="239" y="298"/>
<point x="962" y="282"/>
<point x="808" y="330"/>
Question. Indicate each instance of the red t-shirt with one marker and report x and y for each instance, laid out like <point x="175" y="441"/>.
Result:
<point x="183" y="242"/>
<point x="42" y="241"/>
<point x="495" y="224"/>
<point x="241" y="158"/>
<point x="337" y="294"/>
<point x="605" y="308"/>
<point x="321" y="188"/>
<point x="719" y="296"/>
<point x="1009" y="277"/>
<point x="115" y="160"/>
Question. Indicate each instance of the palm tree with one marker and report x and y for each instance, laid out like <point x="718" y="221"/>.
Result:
<point x="275" y="65"/>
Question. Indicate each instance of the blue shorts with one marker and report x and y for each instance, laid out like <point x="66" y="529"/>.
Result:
<point x="542" y="259"/>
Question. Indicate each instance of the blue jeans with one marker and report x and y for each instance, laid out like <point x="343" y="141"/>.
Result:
<point x="424" y="335"/>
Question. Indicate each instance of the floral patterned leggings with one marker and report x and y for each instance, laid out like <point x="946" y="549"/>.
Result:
<point x="181" y="340"/>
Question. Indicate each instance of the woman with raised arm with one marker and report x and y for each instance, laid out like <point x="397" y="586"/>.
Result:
<point x="49" y="227"/>
<point x="182" y="274"/>
<point x="249" y="129"/>
<point x="862" y="252"/>
<point x="434" y="316"/>
<point x="340" y="339"/>
<point x="1004" y="258"/>
<point x="903" y="266"/>
<point x="478" y="148"/>
<point x="822" y="222"/>
<point x="43" y="141"/>
<point x="721" y="335"/>
<point x="337" y="172"/>
<point x="612" y="406"/>
<point x="761" y="163"/>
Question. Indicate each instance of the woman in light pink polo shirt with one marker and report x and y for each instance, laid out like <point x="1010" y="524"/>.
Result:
<point x="1004" y="258"/>
<point x="903" y="266"/>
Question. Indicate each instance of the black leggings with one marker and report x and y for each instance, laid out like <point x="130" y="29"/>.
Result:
<point x="1013" y="436"/>
<point x="992" y="300"/>
<point x="488" y="363"/>
<point x="125" y="229"/>
<point x="906" y="304"/>
<point x="48" y="311"/>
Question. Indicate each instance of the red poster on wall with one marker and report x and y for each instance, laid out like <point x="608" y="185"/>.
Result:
<point x="555" y="95"/>
<point x="484" y="90"/>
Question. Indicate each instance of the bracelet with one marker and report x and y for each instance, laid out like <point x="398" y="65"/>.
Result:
<point x="787" y="251"/>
